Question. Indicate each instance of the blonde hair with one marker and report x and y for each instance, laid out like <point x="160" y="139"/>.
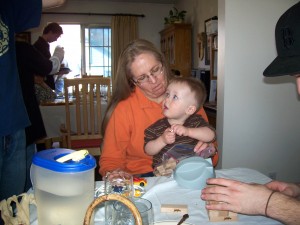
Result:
<point x="123" y="84"/>
<point x="196" y="86"/>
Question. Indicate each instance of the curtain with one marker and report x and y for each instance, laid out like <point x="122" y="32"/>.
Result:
<point x="124" y="29"/>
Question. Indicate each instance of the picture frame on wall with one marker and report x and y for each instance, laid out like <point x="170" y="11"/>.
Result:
<point x="210" y="27"/>
<point x="207" y="49"/>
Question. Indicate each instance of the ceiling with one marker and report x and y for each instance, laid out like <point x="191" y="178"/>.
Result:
<point x="138" y="1"/>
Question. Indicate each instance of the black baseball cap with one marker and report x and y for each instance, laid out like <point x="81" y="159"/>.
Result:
<point x="287" y="36"/>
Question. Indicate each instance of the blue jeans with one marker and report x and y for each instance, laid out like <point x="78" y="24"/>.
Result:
<point x="12" y="164"/>
<point x="30" y="151"/>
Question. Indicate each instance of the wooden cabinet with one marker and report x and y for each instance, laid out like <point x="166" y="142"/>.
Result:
<point x="176" y="44"/>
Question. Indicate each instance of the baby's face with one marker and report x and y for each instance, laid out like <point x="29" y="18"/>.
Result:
<point x="177" y="100"/>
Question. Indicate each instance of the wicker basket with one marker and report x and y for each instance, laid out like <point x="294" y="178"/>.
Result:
<point x="103" y="198"/>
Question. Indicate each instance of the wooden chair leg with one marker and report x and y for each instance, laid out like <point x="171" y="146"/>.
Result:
<point x="64" y="142"/>
<point x="48" y="143"/>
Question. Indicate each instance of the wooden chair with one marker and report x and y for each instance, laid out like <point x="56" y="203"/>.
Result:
<point x="86" y="133"/>
<point x="91" y="76"/>
<point x="49" y="141"/>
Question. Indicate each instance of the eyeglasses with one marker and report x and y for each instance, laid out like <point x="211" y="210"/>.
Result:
<point x="156" y="71"/>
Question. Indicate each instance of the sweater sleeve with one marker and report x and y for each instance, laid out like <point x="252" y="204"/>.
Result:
<point x="117" y="136"/>
<point x="123" y="145"/>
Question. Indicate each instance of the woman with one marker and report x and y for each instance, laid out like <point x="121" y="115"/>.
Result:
<point x="141" y="80"/>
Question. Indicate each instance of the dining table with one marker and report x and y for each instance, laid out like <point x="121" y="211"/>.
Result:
<point x="54" y="115"/>
<point x="165" y="190"/>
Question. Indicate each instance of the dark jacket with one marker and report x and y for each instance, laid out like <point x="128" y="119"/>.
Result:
<point x="30" y="62"/>
<point x="44" y="48"/>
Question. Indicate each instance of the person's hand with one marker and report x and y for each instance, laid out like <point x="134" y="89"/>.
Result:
<point x="38" y="79"/>
<point x="59" y="52"/>
<point x="200" y="146"/>
<point x="180" y="130"/>
<point x="289" y="189"/>
<point x="236" y="196"/>
<point x="62" y="72"/>
<point x="168" y="136"/>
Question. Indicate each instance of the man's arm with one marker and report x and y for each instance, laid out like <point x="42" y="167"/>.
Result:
<point x="52" y="3"/>
<point x="251" y="199"/>
<point x="290" y="189"/>
<point x="284" y="208"/>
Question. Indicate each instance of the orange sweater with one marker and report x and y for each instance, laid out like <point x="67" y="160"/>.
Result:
<point x="123" y="146"/>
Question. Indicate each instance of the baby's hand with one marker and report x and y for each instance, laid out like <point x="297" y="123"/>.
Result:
<point x="180" y="130"/>
<point x="168" y="136"/>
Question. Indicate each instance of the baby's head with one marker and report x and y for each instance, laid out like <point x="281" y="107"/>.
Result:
<point x="196" y="88"/>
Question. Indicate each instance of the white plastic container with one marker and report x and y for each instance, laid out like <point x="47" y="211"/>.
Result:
<point x="192" y="172"/>
<point x="63" y="191"/>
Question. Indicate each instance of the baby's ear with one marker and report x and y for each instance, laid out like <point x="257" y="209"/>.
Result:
<point x="191" y="110"/>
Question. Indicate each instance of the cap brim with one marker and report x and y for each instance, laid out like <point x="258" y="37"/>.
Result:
<point x="282" y="66"/>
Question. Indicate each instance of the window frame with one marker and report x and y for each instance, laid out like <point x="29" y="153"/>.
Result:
<point x="86" y="55"/>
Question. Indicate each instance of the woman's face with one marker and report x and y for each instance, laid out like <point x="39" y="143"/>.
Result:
<point x="148" y="74"/>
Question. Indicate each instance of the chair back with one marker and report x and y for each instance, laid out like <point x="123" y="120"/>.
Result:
<point x="84" y="98"/>
<point x="91" y="76"/>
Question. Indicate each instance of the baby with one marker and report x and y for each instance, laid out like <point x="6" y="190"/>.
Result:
<point x="181" y="124"/>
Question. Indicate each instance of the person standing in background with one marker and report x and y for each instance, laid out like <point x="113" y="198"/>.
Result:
<point x="15" y="16"/>
<point x="50" y="34"/>
<point x="31" y="62"/>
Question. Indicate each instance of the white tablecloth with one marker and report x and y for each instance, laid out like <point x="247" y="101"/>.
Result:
<point x="55" y="115"/>
<point x="162" y="190"/>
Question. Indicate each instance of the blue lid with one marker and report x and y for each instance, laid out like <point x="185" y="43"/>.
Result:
<point x="47" y="159"/>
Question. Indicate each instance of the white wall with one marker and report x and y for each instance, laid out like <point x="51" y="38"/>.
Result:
<point x="149" y="26"/>
<point x="258" y="118"/>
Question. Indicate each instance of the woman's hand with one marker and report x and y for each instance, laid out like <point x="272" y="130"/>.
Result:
<point x="200" y="146"/>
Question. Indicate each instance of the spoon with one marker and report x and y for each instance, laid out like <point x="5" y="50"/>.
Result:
<point x="184" y="217"/>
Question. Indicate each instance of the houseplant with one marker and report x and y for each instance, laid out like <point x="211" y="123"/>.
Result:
<point x="175" y="16"/>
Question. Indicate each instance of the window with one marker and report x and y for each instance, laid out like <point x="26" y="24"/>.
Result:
<point x="91" y="56"/>
<point x="98" y="51"/>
